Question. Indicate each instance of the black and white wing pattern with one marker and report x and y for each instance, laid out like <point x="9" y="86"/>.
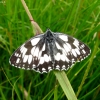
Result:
<point x="49" y="51"/>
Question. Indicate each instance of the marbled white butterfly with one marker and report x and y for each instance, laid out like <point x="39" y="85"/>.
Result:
<point x="49" y="51"/>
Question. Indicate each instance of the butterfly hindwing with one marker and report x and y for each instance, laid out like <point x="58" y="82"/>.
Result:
<point x="44" y="64"/>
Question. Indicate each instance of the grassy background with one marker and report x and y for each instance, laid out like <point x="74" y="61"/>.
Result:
<point x="78" y="18"/>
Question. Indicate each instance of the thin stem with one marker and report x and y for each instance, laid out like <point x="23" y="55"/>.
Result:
<point x="34" y="24"/>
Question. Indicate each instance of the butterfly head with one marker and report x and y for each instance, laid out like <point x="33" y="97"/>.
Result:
<point x="49" y="35"/>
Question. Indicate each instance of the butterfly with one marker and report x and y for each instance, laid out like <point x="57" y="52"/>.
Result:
<point x="48" y="51"/>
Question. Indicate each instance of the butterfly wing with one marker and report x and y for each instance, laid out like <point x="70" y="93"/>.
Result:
<point x="32" y="55"/>
<point x="36" y="54"/>
<point x="69" y="50"/>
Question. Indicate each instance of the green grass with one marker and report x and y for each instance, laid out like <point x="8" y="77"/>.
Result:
<point x="80" y="19"/>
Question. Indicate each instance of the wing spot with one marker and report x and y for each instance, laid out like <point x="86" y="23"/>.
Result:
<point x="17" y="60"/>
<point x="43" y="69"/>
<point x="66" y="48"/>
<point x="76" y="43"/>
<point x="23" y="67"/>
<point x="32" y="50"/>
<point x="29" y="59"/>
<point x="16" y="54"/>
<point x="41" y="60"/>
<point x="82" y="46"/>
<point x="25" y="58"/>
<point x="58" y="46"/>
<point x="46" y="57"/>
<point x="63" y="67"/>
<point x="39" y="55"/>
<point x="49" y="68"/>
<point x="28" y="68"/>
<point x="22" y="48"/>
<point x="19" y="55"/>
<point x="18" y="66"/>
<point x="63" y="37"/>
<point x="34" y="66"/>
<point x="66" y="59"/>
<point x="36" y="52"/>
<point x="83" y="51"/>
<point x="77" y="51"/>
<point x="63" y="57"/>
<point x="57" y="67"/>
<point x="73" y="60"/>
<point x="34" y="41"/>
<point x="43" y="48"/>
<point x="74" y="53"/>
<point x="57" y="56"/>
<point x="24" y="52"/>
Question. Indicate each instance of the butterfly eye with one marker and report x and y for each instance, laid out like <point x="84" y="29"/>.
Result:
<point x="49" y="51"/>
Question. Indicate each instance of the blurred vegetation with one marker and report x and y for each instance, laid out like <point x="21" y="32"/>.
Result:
<point x="78" y="18"/>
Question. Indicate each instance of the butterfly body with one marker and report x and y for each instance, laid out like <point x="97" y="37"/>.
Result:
<point x="49" y="51"/>
<point x="50" y="45"/>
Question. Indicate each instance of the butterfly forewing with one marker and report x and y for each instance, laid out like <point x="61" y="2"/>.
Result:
<point x="49" y="51"/>
<point x="32" y="55"/>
